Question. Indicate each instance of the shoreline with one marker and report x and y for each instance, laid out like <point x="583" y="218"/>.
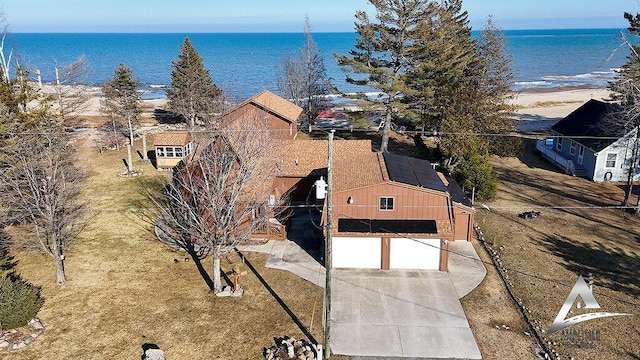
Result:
<point x="536" y="109"/>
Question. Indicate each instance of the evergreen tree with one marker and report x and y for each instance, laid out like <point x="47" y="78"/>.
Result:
<point x="121" y="102"/>
<point x="192" y="94"/>
<point x="626" y="90"/>
<point x="380" y="55"/>
<point x="304" y="80"/>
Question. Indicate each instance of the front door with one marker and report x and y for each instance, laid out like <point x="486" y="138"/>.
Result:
<point x="580" y="154"/>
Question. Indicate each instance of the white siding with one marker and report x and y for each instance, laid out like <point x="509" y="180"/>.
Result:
<point x="357" y="252"/>
<point x="415" y="254"/>
<point x="623" y="149"/>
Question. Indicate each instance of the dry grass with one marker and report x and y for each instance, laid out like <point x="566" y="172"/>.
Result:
<point x="578" y="233"/>
<point x="124" y="288"/>
<point x="489" y="305"/>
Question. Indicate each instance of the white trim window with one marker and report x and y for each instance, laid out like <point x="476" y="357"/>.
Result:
<point x="572" y="148"/>
<point x="160" y="152"/>
<point x="610" y="160"/>
<point x="559" y="143"/>
<point x="386" y="203"/>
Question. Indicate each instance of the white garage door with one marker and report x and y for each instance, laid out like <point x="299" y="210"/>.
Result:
<point x="414" y="254"/>
<point x="360" y="253"/>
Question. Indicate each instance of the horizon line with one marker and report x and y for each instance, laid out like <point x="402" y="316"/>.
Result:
<point x="282" y="32"/>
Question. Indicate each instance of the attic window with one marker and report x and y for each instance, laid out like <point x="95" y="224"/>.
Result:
<point x="611" y="160"/>
<point x="572" y="148"/>
<point x="386" y="203"/>
<point x="559" y="143"/>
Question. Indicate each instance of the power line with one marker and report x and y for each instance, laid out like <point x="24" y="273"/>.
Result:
<point x="504" y="268"/>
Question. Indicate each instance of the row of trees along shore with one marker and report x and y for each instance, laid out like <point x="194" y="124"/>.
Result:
<point x="421" y="56"/>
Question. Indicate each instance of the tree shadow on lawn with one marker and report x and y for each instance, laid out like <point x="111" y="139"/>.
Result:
<point x="281" y="302"/>
<point x="613" y="269"/>
<point x="533" y="160"/>
<point x="548" y="186"/>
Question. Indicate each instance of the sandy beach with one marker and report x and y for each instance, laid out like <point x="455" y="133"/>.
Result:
<point x="536" y="109"/>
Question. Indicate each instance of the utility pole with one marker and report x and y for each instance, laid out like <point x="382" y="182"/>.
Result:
<point x="327" y="256"/>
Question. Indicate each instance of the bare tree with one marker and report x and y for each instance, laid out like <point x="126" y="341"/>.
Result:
<point x="41" y="186"/>
<point x="222" y="195"/>
<point x="72" y="91"/>
<point x="304" y="80"/>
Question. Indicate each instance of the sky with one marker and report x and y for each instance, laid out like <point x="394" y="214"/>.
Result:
<point x="286" y="15"/>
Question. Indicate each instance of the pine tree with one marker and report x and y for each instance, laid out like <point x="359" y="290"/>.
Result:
<point x="192" y="94"/>
<point x="121" y="102"/>
<point x="379" y="57"/>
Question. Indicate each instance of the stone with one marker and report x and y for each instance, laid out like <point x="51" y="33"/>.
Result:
<point x="4" y="344"/>
<point x="154" y="354"/>
<point x="37" y="325"/>
<point x="29" y="340"/>
<point x="19" y="345"/>
<point x="226" y="292"/>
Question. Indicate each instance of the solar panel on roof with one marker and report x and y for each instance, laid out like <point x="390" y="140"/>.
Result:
<point x="387" y="226"/>
<point x="412" y="171"/>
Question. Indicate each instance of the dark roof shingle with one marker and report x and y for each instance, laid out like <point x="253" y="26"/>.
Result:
<point x="593" y="125"/>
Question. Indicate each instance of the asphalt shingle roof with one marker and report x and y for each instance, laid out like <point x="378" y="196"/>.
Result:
<point x="593" y="125"/>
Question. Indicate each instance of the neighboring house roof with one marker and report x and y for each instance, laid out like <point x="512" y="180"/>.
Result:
<point x="272" y="103"/>
<point x="412" y="171"/>
<point x="172" y="138"/>
<point x="592" y="125"/>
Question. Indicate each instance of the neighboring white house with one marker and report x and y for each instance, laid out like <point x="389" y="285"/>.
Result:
<point x="591" y="142"/>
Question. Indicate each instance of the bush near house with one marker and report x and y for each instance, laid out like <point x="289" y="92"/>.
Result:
<point x="474" y="170"/>
<point x="19" y="300"/>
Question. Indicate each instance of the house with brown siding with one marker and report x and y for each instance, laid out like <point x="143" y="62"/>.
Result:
<point x="279" y="114"/>
<point x="171" y="147"/>
<point x="389" y="211"/>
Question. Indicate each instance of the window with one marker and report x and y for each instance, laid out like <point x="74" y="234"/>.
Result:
<point x="572" y="148"/>
<point x="611" y="160"/>
<point x="169" y="151"/>
<point x="160" y="152"/>
<point x="559" y="143"/>
<point x="386" y="203"/>
<point x="187" y="149"/>
<point x="178" y="152"/>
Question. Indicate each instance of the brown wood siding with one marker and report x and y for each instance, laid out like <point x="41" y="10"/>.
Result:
<point x="386" y="253"/>
<point x="463" y="223"/>
<point x="279" y="127"/>
<point x="409" y="204"/>
<point x="167" y="163"/>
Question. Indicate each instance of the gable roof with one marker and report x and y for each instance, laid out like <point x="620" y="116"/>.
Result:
<point x="172" y="138"/>
<point x="412" y="171"/>
<point x="273" y="103"/>
<point x="592" y="125"/>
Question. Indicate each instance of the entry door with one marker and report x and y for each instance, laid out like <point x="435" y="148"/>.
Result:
<point x="580" y="155"/>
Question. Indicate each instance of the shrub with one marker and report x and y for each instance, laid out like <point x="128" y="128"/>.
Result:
<point x="19" y="301"/>
<point x="474" y="170"/>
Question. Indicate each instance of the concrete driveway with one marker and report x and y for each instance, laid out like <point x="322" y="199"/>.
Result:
<point x="380" y="314"/>
<point x="398" y="313"/>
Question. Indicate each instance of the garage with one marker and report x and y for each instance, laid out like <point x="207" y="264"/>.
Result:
<point x="357" y="252"/>
<point x="421" y="254"/>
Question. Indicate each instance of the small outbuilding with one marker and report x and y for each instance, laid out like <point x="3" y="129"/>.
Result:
<point x="171" y="147"/>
